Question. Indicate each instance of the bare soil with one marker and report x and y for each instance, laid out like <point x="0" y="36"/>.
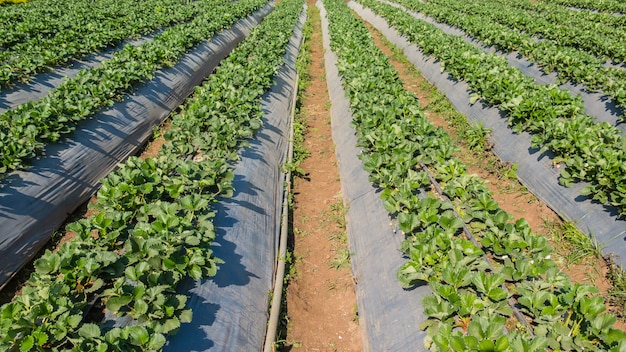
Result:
<point x="321" y="303"/>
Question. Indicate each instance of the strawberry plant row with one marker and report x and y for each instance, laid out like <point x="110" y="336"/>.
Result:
<point x="558" y="14"/>
<point x="469" y="305"/>
<point x="73" y="34"/>
<point x="25" y="130"/>
<point x="153" y="221"/>
<point x="603" y="46"/>
<point x="37" y="18"/>
<point x="571" y="64"/>
<point x="592" y="152"/>
<point x="606" y="25"/>
<point x="44" y="19"/>
<point x="598" y="5"/>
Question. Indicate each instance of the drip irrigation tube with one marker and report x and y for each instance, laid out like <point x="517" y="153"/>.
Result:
<point x="279" y="278"/>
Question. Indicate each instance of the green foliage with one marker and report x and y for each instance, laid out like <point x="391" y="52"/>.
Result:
<point x="477" y="137"/>
<point x="6" y="2"/>
<point x="604" y="6"/>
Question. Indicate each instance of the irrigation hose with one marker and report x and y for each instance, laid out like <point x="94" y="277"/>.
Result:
<point x="279" y="278"/>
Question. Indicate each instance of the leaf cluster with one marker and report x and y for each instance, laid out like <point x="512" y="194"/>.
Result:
<point x="571" y="30"/>
<point x="602" y="5"/>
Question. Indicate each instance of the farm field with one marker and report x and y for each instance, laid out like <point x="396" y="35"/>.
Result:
<point x="475" y="200"/>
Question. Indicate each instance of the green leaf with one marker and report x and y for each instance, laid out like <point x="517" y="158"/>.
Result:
<point x="170" y="325"/>
<point x="97" y="284"/>
<point x="74" y="320"/>
<point x="615" y="335"/>
<point x="40" y="337"/>
<point x="408" y="275"/>
<point x="139" y="291"/>
<point x="502" y="344"/>
<point x="174" y="190"/>
<point x="142" y="267"/>
<point x="89" y="331"/>
<point x="470" y="304"/>
<point x="192" y="240"/>
<point x="186" y="316"/>
<point x="115" y="303"/>
<point x="498" y="294"/>
<point x="436" y="307"/>
<point x="141" y="307"/>
<point x="456" y="276"/>
<point x="603" y="322"/>
<point x="587" y="190"/>
<point x="391" y="206"/>
<point x="157" y="341"/>
<point x="27" y="343"/>
<point x="468" y="247"/>
<point x="486" y="345"/>
<point x="50" y="262"/>
<point x="592" y="306"/>
<point x="113" y="335"/>
<point x="138" y="335"/>
<point x="408" y="222"/>
<point x="457" y="343"/>
<point x="131" y="273"/>
<point x="195" y="272"/>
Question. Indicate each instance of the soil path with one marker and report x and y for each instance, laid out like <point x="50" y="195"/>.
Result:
<point x="321" y="303"/>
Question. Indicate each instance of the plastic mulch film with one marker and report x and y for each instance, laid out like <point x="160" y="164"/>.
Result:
<point x="536" y="170"/>
<point x="389" y="315"/>
<point x="230" y="310"/>
<point x="596" y="104"/>
<point x="34" y="203"/>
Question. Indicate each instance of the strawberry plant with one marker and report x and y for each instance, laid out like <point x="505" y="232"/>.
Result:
<point x="604" y="6"/>
<point x="569" y="16"/>
<point x="579" y="34"/>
